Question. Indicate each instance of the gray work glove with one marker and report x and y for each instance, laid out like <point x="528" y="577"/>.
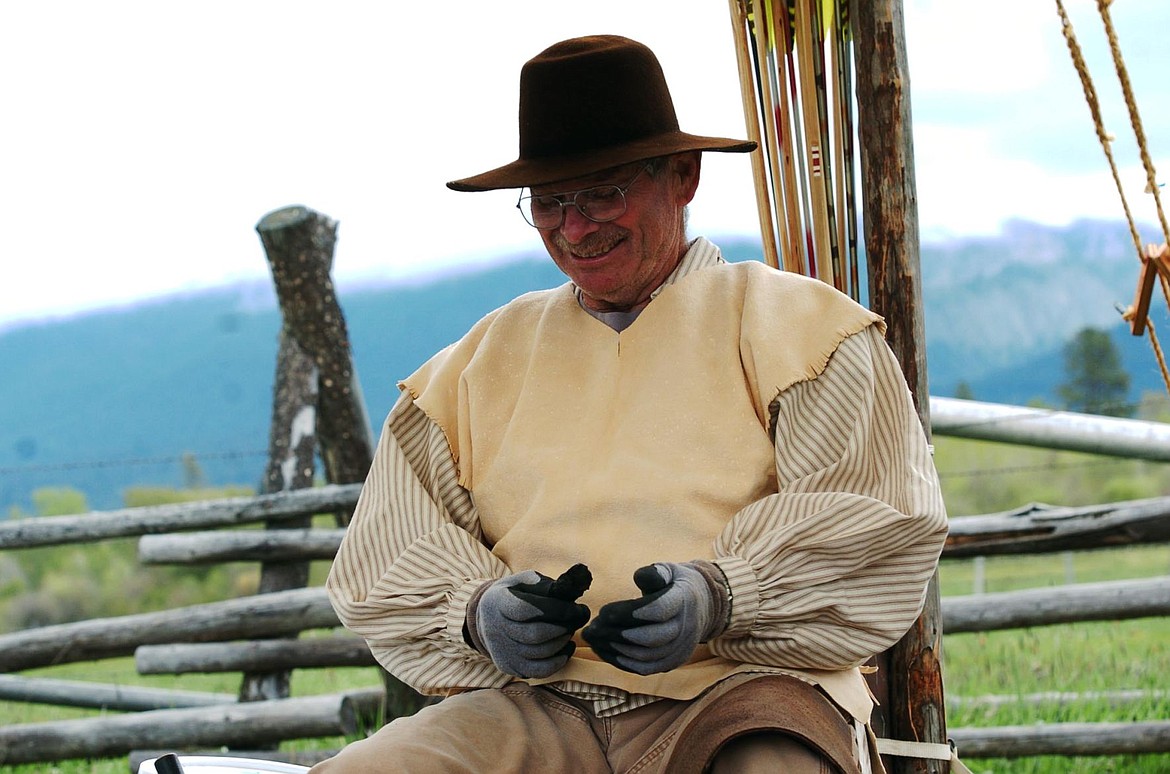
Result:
<point x="525" y="622"/>
<point x="681" y="605"/>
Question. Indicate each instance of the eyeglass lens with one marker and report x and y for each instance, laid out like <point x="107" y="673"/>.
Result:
<point x="600" y="204"/>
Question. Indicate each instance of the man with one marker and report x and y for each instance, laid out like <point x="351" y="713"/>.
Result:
<point x="653" y="519"/>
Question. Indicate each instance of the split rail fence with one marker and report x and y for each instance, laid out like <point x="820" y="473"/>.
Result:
<point x="235" y="635"/>
<point x="318" y="411"/>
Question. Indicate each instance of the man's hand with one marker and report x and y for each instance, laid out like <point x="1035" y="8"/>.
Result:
<point x="680" y="607"/>
<point x="525" y="622"/>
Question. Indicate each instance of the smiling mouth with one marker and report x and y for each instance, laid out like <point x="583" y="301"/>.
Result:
<point x="590" y="256"/>
<point x="591" y="248"/>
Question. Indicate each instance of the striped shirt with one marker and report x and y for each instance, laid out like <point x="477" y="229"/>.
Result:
<point x="822" y="574"/>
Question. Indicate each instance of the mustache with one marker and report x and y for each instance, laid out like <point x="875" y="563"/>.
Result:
<point x="597" y="243"/>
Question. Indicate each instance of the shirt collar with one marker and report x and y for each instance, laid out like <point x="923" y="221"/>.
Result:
<point x="701" y="254"/>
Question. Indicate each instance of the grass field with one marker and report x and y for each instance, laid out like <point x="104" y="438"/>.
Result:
<point x="1076" y="658"/>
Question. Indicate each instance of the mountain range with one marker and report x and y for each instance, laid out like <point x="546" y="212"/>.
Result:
<point x="114" y="398"/>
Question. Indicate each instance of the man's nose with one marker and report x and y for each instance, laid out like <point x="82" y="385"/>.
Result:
<point x="576" y="225"/>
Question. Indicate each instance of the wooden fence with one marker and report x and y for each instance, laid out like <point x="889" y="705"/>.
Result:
<point x="318" y="411"/>
<point x="235" y="635"/>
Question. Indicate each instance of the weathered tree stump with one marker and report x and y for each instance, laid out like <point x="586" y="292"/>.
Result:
<point x="292" y="447"/>
<point x="299" y="243"/>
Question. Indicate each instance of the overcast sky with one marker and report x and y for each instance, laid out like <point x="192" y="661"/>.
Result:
<point x="142" y="141"/>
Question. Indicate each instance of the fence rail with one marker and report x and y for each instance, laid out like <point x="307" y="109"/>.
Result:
<point x="238" y="546"/>
<point x="119" y="698"/>
<point x="183" y="658"/>
<point x="291" y="612"/>
<point x="1033" y="529"/>
<point x="177" y="517"/>
<point x="1068" y="739"/>
<point x="1050" y="429"/>
<point x="262" y="615"/>
<point x="246" y="723"/>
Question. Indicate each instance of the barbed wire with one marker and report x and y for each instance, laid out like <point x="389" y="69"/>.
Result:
<point x="132" y="462"/>
<point x="173" y="459"/>
<point x="1015" y="469"/>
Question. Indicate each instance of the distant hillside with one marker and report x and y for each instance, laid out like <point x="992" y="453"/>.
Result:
<point x="111" y="399"/>
<point x="999" y="310"/>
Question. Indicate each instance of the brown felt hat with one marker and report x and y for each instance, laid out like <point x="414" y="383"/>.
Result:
<point x="588" y="104"/>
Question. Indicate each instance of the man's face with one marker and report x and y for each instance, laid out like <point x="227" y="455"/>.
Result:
<point x="619" y="263"/>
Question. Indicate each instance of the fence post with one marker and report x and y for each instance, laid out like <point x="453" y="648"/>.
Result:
<point x="911" y="692"/>
<point x="299" y="244"/>
<point x="292" y="446"/>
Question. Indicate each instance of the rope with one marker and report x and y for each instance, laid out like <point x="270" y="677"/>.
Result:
<point x="1128" y="315"/>
<point x="1106" y="145"/>
<point x="1074" y="49"/>
<point x="1139" y="133"/>
<point x="1158" y="353"/>
<point x="1134" y="118"/>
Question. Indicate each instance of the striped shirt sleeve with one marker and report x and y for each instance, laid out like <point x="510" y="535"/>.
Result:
<point x="411" y="560"/>
<point x="833" y="568"/>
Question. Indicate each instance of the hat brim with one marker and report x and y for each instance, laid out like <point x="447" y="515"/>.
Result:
<point x="525" y="173"/>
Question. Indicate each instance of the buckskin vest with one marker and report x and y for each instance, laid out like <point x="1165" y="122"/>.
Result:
<point x="580" y="444"/>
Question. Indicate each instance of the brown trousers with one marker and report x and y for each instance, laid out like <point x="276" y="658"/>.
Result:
<point x="744" y="724"/>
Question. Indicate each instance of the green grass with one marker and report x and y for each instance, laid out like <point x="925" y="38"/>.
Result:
<point x="1069" y="658"/>
<point x="980" y="477"/>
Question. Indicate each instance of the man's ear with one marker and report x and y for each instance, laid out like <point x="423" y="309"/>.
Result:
<point x="686" y="168"/>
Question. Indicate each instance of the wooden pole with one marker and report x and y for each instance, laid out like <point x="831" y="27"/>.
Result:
<point x="740" y="30"/>
<point x="299" y="243"/>
<point x="291" y="448"/>
<point x="890" y="200"/>
<point x="912" y="691"/>
<point x="292" y="437"/>
<point x="789" y="189"/>
<point x="808" y="51"/>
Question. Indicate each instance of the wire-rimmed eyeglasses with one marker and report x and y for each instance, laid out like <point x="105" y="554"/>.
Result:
<point x="600" y="204"/>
